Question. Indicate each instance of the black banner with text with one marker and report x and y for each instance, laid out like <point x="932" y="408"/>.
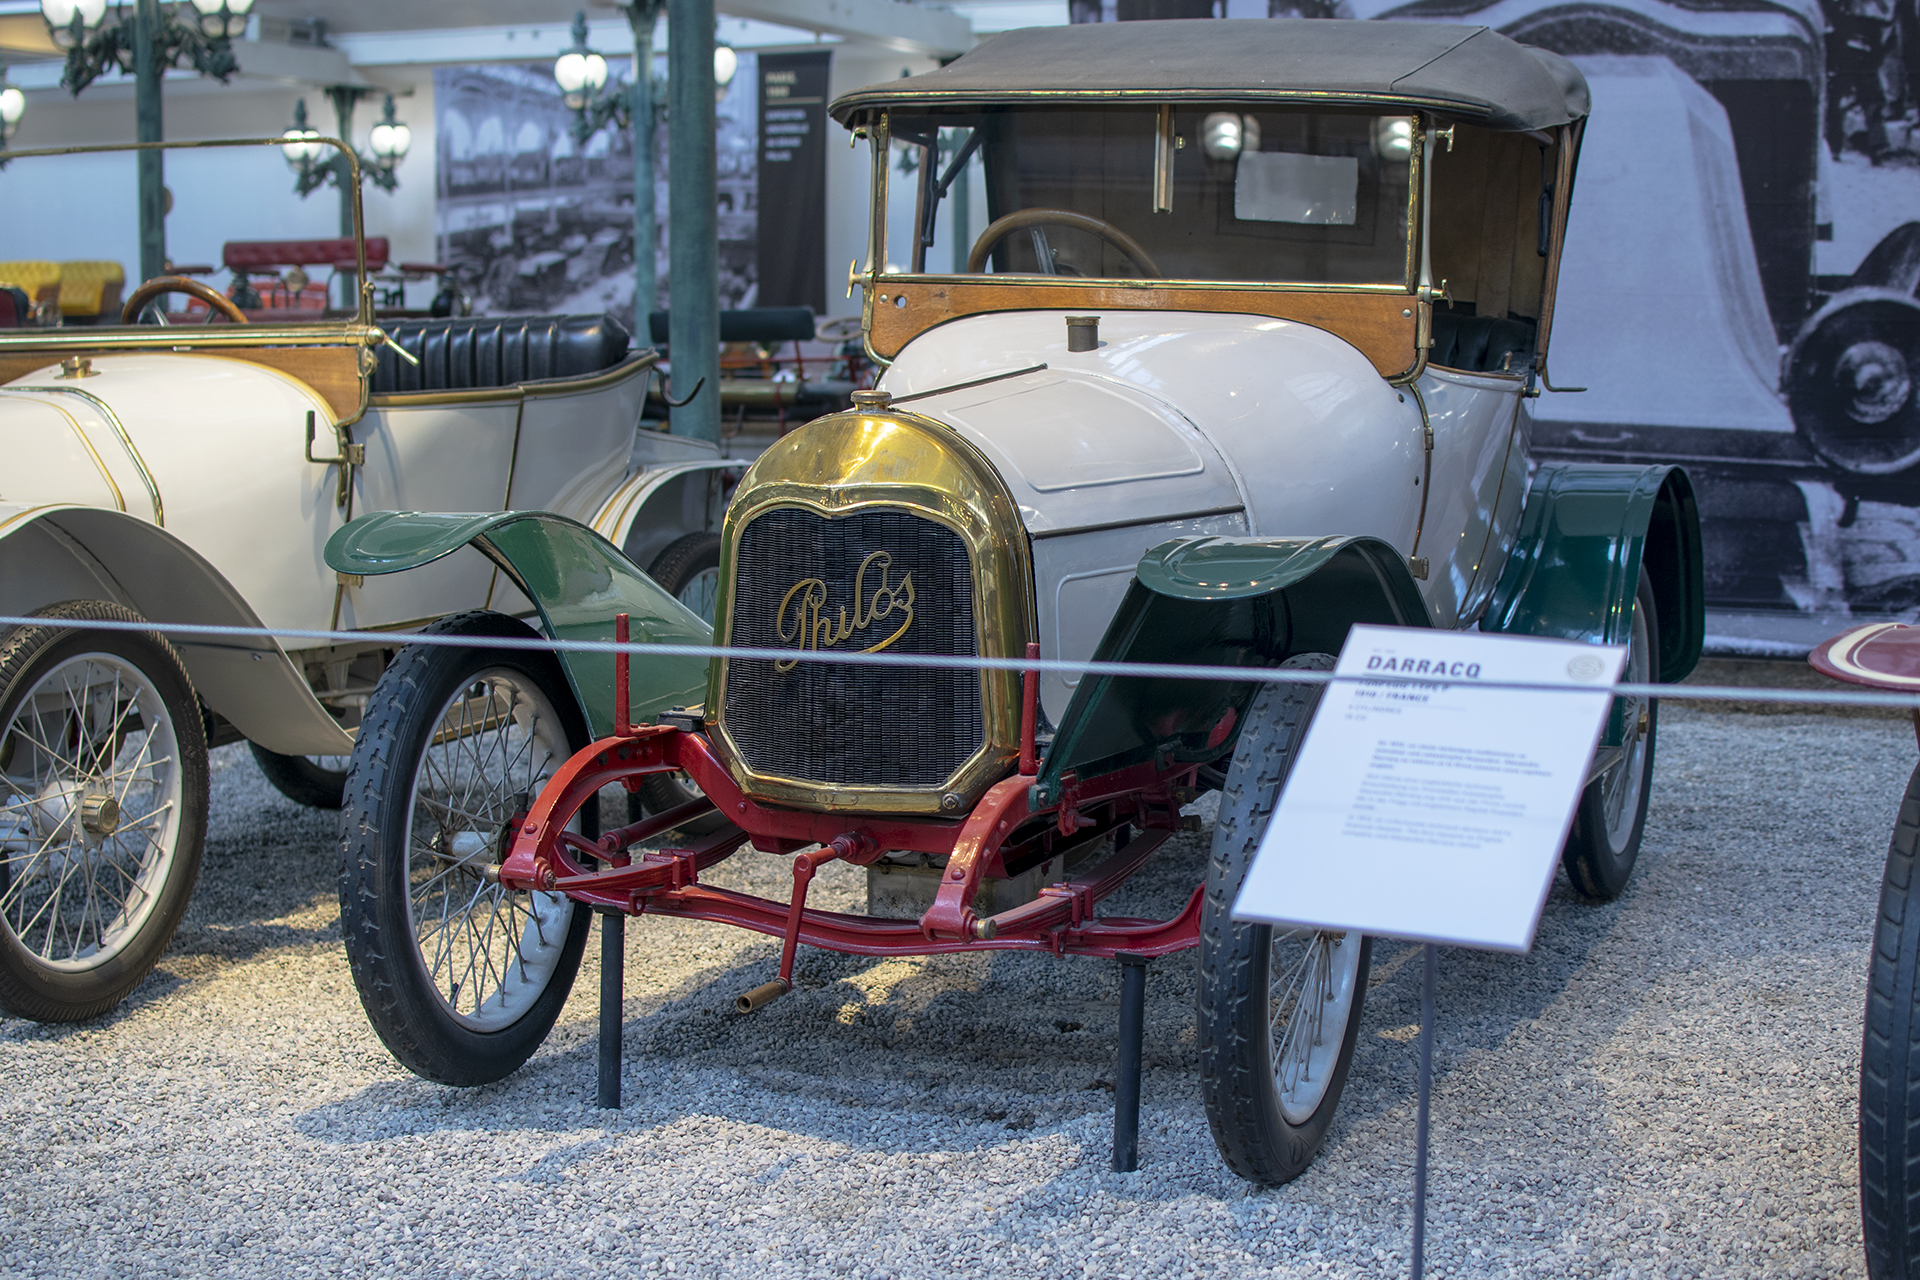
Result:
<point x="793" y="180"/>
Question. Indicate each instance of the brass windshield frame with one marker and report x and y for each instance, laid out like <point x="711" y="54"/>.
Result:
<point x="879" y="135"/>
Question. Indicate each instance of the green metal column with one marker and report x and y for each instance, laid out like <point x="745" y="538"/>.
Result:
<point x="693" y="228"/>
<point x="646" y="287"/>
<point x="146" y="118"/>
<point x="345" y="97"/>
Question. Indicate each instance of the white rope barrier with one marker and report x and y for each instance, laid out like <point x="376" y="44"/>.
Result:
<point x="1836" y="697"/>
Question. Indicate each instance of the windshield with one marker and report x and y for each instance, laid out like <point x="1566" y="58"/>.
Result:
<point x="1181" y="192"/>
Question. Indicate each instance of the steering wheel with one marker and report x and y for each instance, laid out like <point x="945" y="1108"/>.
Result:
<point x="1033" y="219"/>
<point x="215" y="300"/>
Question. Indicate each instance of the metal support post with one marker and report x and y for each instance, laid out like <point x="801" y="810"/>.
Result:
<point x="1420" y="1127"/>
<point x="151" y="186"/>
<point x="613" y="1005"/>
<point x="345" y="97"/>
<point x="1126" y="1085"/>
<point x="642" y="14"/>
<point x="693" y="231"/>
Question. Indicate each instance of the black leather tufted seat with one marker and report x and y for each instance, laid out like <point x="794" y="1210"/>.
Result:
<point x="476" y="352"/>
<point x="1478" y="343"/>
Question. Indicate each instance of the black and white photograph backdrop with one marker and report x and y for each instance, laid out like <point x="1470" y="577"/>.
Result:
<point x="1738" y="285"/>
<point x="535" y="221"/>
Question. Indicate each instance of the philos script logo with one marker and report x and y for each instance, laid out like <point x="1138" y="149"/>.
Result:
<point x="803" y="621"/>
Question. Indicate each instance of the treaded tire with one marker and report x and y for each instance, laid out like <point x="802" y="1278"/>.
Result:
<point x="1599" y="854"/>
<point x="1889" y="1055"/>
<point x="31" y="986"/>
<point x="301" y="780"/>
<point x="403" y="1002"/>
<point x="682" y="562"/>
<point x="1237" y="1083"/>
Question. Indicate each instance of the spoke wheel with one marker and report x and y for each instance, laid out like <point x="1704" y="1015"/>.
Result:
<point x="462" y="978"/>
<point x="1279" y="1009"/>
<point x="103" y="810"/>
<point x="1604" y="841"/>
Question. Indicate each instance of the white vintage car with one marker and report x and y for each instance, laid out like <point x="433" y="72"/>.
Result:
<point x="1245" y="356"/>
<point x="192" y="474"/>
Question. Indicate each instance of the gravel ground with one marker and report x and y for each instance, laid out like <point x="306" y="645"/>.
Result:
<point x="1664" y="1087"/>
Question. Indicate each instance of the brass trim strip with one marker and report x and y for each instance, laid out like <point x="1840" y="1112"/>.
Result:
<point x="119" y="429"/>
<point x="175" y="337"/>
<point x="1028" y="281"/>
<point x="119" y="499"/>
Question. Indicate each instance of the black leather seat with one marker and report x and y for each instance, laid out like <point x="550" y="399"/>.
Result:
<point x="476" y="352"/>
<point x="1478" y="343"/>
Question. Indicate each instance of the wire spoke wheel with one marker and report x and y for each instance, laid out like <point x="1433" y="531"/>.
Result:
<point x="1279" y="1009"/>
<point x="488" y="951"/>
<point x="103" y="793"/>
<point x="462" y="978"/>
<point x="1611" y="817"/>
<point x="1310" y="989"/>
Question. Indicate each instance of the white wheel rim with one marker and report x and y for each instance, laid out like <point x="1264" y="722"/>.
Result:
<point x="1621" y="786"/>
<point x="1311" y="980"/>
<point x="488" y="952"/>
<point x="90" y="793"/>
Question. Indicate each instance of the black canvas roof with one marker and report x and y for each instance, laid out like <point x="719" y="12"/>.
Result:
<point x="1464" y="72"/>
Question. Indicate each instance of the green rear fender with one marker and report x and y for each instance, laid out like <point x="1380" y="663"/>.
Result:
<point x="1585" y="532"/>
<point x="1237" y="602"/>
<point x="576" y="579"/>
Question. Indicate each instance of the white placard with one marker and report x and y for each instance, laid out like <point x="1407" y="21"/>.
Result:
<point x="1434" y="812"/>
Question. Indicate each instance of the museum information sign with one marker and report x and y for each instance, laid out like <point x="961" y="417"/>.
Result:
<point x="792" y="252"/>
<point x="1434" y="811"/>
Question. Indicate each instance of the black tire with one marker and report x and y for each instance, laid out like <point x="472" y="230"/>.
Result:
<point x="1611" y="817"/>
<point x="126" y="794"/>
<point x="1889" y="1053"/>
<point x="689" y="569"/>
<point x="1267" y="1131"/>
<point x="401" y="824"/>
<point x="304" y="780"/>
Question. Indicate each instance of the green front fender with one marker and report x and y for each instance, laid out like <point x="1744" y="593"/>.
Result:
<point x="575" y="578"/>
<point x="1237" y="602"/>
<point x="1586" y="531"/>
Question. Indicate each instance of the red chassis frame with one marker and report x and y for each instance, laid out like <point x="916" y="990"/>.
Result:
<point x="1001" y="836"/>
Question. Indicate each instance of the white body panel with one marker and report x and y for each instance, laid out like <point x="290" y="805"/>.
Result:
<point x="222" y="443"/>
<point x="1183" y="423"/>
<point x="1477" y="436"/>
<point x="1079" y="580"/>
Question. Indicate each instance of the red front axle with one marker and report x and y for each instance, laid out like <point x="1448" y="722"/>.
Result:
<point x="1002" y="829"/>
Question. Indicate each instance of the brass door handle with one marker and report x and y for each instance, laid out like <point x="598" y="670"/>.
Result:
<point x="350" y="455"/>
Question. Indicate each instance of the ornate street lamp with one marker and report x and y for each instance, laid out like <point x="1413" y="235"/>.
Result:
<point x="638" y="104"/>
<point x="388" y="142"/>
<point x="144" y="38"/>
<point x="315" y="164"/>
<point x="13" y="105"/>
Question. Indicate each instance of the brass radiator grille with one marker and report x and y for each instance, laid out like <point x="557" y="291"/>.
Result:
<point x="795" y="582"/>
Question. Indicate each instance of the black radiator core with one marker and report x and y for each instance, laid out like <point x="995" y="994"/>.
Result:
<point x="794" y="587"/>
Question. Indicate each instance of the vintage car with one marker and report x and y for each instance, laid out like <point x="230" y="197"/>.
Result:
<point x="1245" y="357"/>
<point x="192" y="474"/>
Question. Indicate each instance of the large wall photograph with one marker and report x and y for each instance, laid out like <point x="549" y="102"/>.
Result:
<point x="534" y="220"/>
<point x="1738" y="285"/>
